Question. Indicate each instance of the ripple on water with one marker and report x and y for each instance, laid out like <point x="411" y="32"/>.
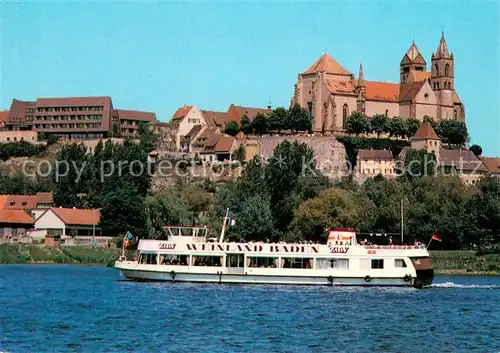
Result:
<point x="73" y="308"/>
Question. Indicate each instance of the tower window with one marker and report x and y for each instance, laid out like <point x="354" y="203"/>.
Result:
<point x="345" y="112"/>
<point x="387" y="113"/>
<point x="436" y="69"/>
<point x="447" y="70"/>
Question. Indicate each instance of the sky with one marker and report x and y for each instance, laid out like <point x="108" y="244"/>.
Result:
<point x="157" y="56"/>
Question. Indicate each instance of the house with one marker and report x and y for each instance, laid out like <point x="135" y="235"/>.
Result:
<point x="217" y="119"/>
<point x="236" y="112"/>
<point x="14" y="223"/>
<point x="198" y="144"/>
<point x="73" y="226"/>
<point x="183" y="120"/>
<point x="374" y="162"/>
<point x="39" y="201"/>
<point x="492" y="164"/>
<point x="463" y="163"/>
<point x="218" y="148"/>
<point x="188" y="139"/>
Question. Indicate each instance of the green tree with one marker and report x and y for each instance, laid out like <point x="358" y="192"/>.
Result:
<point x="239" y="153"/>
<point x="254" y="222"/>
<point x="260" y="124"/>
<point x="166" y="208"/>
<point x="299" y="119"/>
<point x="397" y="127"/>
<point x="246" y="124"/>
<point x="419" y="163"/>
<point x="476" y="149"/>
<point x="357" y="123"/>
<point x="278" y="119"/>
<point x="411" y="126"/>
<point x="232" y="128"/>
<point x="431" y="121"/>
<point x="148" y="139"/>
<point x="379" y="124"/>
<point x="452" y="132"/>
<point x="197" y="200"/>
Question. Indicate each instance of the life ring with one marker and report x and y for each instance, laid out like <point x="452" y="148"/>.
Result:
<point x="368" y="279"/>
<point x="330" y="279"/>
<point x="407" y="278"/>
<point x="172" y="274"/>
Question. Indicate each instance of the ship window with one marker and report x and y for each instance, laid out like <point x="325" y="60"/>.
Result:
<point x="399" y="263"/>
<point x="235" y="260"/>
<point x="213" y="261"/>
<point x="148" y="259"/>
<point x="171" y="259"/>
<point x="377" y="263"/>
<point x="262" y="262"/>
<point x="325" y="264"/>
<point x="297" y="262"/>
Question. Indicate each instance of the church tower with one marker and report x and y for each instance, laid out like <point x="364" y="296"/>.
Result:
<point x="412" y="60"/>
<point x="442" y="78"/>
<point x="361" y="91"/>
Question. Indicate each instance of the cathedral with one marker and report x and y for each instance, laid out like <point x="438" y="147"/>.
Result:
<point x="331" y="93"/>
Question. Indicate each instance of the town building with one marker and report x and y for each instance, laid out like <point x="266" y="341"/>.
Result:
<point x="183" y="120"/>
<point x="41" y="200"/>
<point x="493" y="165"/>
<point x="7" y="136"/>
<point x="449" y="161"/>
<point x="331" y="93"/>
<point x="14" y="223"/>
<point x="218" y="148"/>
<point x="76" y="118"/>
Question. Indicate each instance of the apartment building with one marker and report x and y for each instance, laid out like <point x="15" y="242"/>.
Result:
<point x="76" y="118"/>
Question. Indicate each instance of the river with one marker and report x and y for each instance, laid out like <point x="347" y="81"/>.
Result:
<point x="64" y="308"/>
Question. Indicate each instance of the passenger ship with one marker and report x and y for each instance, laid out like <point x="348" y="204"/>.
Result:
<point x="187" y="256"/>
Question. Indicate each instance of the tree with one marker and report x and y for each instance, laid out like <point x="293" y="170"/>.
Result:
<point x="260" y="124"/>
<point x="232" y="128"/>
<point x="452" y="132"/>
<point x="148" y="139"/>
<point x="278" y="120"/>
<point x="239" y="153"/>
<point x="397" y="127"/>
<point x="379" y="124"/>
<point x="163" y="209"/>
<point x="411" y="126"/>
<point x="431" y="121"/>
<point x="419" y="163"/>
<point x="476" y="149"/>
<point x="122" y="211"/>
<point x="246" y="124"/>
<point x="197" y="200"/>
<point x="357" y="123"/>
<point x="299" y="119"/>
<point x="48" y="137"/>
<point x="254" y="221"/>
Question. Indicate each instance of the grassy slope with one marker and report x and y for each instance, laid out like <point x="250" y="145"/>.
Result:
<point x="465" y="262"/>
<point x="20" y="254"/>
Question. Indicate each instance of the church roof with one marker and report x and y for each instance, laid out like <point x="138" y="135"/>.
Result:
<point x="327" y="64"/>
<point x="425" y="132"/>
<point x="442" y="49"/>
<point x="341" y="87"/>
<point x="382" y="91"/>
<point x="492" y="164"/>
<point x="455" y="98"/>
<point x="413" y="55"/>
<point x="417" y="76"/>
<point x="409" y="91"/>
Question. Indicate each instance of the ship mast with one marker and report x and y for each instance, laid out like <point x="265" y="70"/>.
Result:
<point x="223" y="230"/>
<point x="402" y="220"/>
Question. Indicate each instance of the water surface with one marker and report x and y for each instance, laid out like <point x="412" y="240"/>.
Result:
<point x="64" y="308"/>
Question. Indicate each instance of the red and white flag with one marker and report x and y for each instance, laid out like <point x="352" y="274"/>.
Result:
<point x="435" y="237"/>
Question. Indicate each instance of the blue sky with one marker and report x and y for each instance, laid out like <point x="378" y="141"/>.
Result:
<point x="157" y="56"/>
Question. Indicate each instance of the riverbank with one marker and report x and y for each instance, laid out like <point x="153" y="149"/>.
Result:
<point x="445" y="262"/>
<point x="30" y="254"/>
<point x="462" y="262"/>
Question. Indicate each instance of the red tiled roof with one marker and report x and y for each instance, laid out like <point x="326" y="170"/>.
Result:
<point x="382" y="91"/>
<point x="418" y="76"/>
<point x="4" y="115"/>
<point x="462" y="159"/>
<point x="342" y="87"/>
<point x="327" y="64"/>
<point x="214" y="118"/>
<point x="225" y="144"/>
<point x="410" y="90"/>
<point x="73" y="101"/>
<point x="425" y="132"/>
<point x="492" y="164"/>
<point x="75" y="216"/>
<point x="235" y="112"/>
<point x="15" y="217"/>
<point x="45" y="197"/>
<point x="181" y="112"/>
<point x="27" y="202"/>
<point x="375" y="154"/>
<point x="136" y="115"/>
<point x="455" y="98"/>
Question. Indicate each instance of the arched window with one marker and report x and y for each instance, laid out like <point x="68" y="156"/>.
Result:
<point x="387" y="113"/>
<point x="455" y="114"/>
<point x="447" y="70"/>
<point x="436" y="68"/>
<point x="345" y="112"/>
